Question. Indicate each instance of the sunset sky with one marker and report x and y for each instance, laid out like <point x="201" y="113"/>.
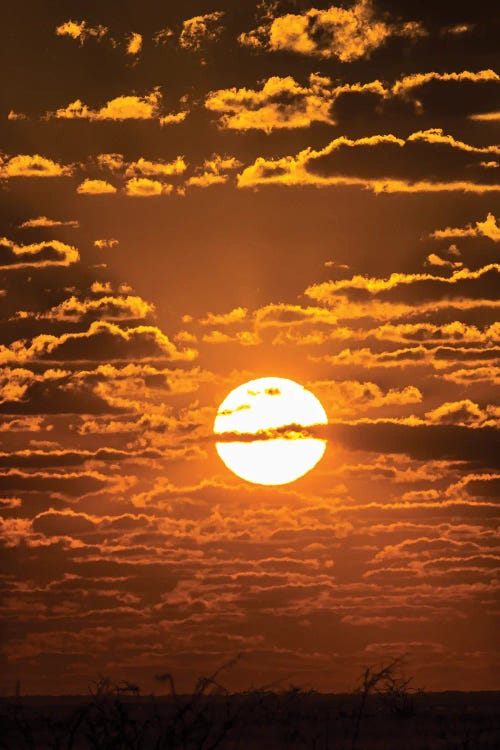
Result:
<point x="195" y="195"/>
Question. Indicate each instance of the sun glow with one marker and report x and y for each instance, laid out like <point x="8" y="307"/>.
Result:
<point x="264" y="406"/>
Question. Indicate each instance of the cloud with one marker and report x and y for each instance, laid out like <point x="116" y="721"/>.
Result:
<point x="105" y="308"/>
<point x="487" y="228"/>
<point x="414" y="81"/>
<point x="114" y="162"/>
<point x="458" y="28"/>
<point x="9" y="503"/>
<point x="32" y="458"/>
<point x="37" y="255"/>
<point x="245" y="338"/>
<point x="24" y="424"/>
<point x="42" y="222"/>
<point x="423" y="442"/>
<point x="174" y="118"/>
<point x="346" y="34"/>
<point x="380" y="163"/>
<point x="134" y="43"/>
<point x="32" y="165"/>
<point x="67" y="523"/>
<point x="345" y="308"/>
<point x="465" y="413"/>
<point x="438" y="358"/>
<point x="309" y="326"/>
<point x="237" y="315"/>
<point x="81" y="30"/>
<point x="489" y="375"/>
<point x="281" y="103"/>
<point x="70" y="484"/>
<point x="350" y="397"/>
<point x="143" y="187"/>
<point x="436" y="260"/>
<point x="156" y="168"/>
<point x="214" y="171"/>
<point x="437" y="135"/>
<point x="95" y="187"/>
<point x="101" y="244"/>
<point x="199" y="30"/>
<point x="131" y="107"/>
<point x="430" y="332"/>
<point x="101" y="287"/>
<point x="376" y="285"/>
<point x="55" y="391"/>
<point x="162" y="36"/>
<point x="486" y="116"/>
<point x="16" y="116"/>
<point x="102" y="340"/>
<point x="458" y="94"/>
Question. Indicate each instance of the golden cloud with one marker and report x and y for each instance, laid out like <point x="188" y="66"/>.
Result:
<point x="206" y="179"/>
<point x="156" y="168"/>
<point x="16" y="115"/>
<point x="237" y="315"/>
<point x="38" y="254"/>
<point x="95" y="187"/>
<point x="487" y="228"/>
<point x="244" y="338"/>
<point x="399" y="332"/>
<point x="143" y="187"/>
<point x="424" y="332"/>
<point x="113" y="162"/>
<point x="214" y="171"/>
<point x="466" y="376"/>
<point x="347" y="397"/>
<point x="281" y="103"/>
<point x="174" y="118"/>
<point x="162" y="36"/>
<point x="375" y="285"/>
<point x="458" y="28"/>
<point x="198" y="30"/>
<point x="486" y="116"/>
<point x="101" y="287"/>
<point x="100" y="340"/>
<point x="134" y="43"/>
<point x="111" y="242"/>
<point x="417" y="80"/>
<point x="433" y="259"/>
<point x="32" y="165"/>
<point x="282" y="100"/>
<point x="436" y="135"/>
<point x="438" y="358"/>
<point x="107" y="308"/>
<point x="130" y="107"/>
<point x="465" y="413"/>
<point x="319" y="168"/>
<point x="347" y="34"/>
<point x="42" y="222"/>
<point x="81" y="30"/>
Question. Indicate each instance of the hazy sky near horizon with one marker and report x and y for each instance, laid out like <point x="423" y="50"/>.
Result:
<point x="198" y="194"/>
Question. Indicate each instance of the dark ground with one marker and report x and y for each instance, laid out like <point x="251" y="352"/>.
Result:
<point x="253" y="720"/>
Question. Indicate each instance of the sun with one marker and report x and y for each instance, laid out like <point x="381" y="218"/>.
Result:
<point x="267" y="404"/>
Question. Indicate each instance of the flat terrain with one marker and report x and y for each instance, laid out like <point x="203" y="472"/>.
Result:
<point x="252" y="721"/>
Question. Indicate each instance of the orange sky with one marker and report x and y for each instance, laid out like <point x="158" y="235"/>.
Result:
<point x="201" y="195"/>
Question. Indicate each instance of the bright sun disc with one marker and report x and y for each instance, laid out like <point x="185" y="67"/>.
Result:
<point x="269" y="404"/>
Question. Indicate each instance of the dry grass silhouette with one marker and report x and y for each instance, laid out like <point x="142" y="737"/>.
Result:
<point x="385" y="712"/>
